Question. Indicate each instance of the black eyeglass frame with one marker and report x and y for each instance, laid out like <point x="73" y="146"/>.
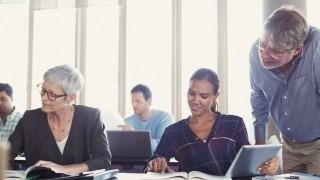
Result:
<point x="51" y="96"/>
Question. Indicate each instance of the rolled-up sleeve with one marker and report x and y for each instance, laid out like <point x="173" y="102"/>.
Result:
<point x="259" y="102"/>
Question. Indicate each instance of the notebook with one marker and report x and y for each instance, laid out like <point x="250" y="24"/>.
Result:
<point x="250" y="158"/>
<point x="130" y="145"/>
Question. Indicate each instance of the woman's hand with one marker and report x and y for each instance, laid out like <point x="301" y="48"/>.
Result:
<point x="269" y="167"/>
<point x="126" y="127"/>
<point x="43" y="163"/>
<point x="72" y="169"/>
<point x="53" y="166"/>
<point x="159" y="165"/>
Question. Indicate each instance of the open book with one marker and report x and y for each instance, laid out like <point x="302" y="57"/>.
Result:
<point x="193" y="175"/>
<point x="33" y="172"/>
<point x="39" y="172"/>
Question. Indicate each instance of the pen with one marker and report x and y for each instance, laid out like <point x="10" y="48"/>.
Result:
<point x="262" y="177"/>
<point x="93" y="172"/>
<point x="292" y="177"/>
<point x="304" y="174"/>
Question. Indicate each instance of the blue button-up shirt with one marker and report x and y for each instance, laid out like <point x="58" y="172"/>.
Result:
<point x="292" y="100"/>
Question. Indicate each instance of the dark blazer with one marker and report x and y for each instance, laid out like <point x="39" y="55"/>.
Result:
<point x="87" y="142"/>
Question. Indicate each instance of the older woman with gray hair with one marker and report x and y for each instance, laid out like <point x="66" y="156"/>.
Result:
<point x="65" y="137"/>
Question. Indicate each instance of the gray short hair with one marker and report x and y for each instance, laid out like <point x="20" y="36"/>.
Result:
<point x="70" y="78"/>
<point x="286" y="27"/>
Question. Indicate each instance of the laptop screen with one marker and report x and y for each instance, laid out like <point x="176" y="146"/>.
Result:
<point x="130" y="145"/>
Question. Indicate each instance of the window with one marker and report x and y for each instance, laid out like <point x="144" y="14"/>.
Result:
<point x="199" y="42"/>
<point x="101" y="87"/>
<point x="13" y="56"/>
<point x="53" y="43"/>
<point x="241" y="36"/>
<point x="313" y="13"/>
<point x="149" y="50"/>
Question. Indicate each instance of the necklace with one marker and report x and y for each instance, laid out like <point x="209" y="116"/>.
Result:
<point x="64" y="124"/>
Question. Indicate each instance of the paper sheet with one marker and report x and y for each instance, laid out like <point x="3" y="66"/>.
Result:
<point x="112" y="120"/>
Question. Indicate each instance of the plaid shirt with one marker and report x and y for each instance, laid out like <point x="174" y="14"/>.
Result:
<point x="214" y="156"/>
<point x="12" y="120"/>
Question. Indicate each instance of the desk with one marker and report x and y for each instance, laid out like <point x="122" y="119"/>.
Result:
<point x="286" y="177"/>
<point x="136" y="166"/>
<point x="129" y="176"/>
<point x="138" y="176"/>
<point x="124" y="165"/>
<point x="118" y="161"/>
<point x="126" y="161"/>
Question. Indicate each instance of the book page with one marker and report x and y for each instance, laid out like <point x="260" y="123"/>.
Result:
<point x="13" y="174"/>
<point x="171" y="176"/>
<point x="39" y="172"/>
<point x="193" y="175"/>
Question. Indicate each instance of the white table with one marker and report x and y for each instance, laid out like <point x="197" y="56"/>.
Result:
<point x="138" y="176"/>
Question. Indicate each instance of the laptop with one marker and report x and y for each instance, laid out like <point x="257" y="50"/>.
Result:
<point x="250" y="158"/>
<point x="126" y="146"/>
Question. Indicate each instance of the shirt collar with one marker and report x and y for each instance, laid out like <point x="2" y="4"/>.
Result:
<point x="13" y="113"/>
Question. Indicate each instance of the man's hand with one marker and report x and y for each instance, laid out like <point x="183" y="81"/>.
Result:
<point x="269" y="167"/>
<point x="159" y="165"/>
<point x="126" y="127"/>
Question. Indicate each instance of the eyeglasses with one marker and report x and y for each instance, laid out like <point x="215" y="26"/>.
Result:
<point x="273" y="53"/>
<point x="51" y="96"/>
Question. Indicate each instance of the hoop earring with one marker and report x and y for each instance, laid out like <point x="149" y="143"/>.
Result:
<point x="214" y="107"/>
<point x="217" y="107"/>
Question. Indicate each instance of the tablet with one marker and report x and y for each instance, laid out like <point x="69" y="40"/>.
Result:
<point x="250" y="158"/>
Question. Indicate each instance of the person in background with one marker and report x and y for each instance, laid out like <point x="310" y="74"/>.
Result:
<point x="65" y="137"/>
<point x="207" y="140"/>
<point x="145" y="118"/>
<point x="285" y="83"/>
<point x="9" y="116"/>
